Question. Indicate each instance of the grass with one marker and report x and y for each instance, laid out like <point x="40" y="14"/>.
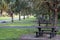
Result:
<point x="8" y="17"/>
<point x="4" y="18"/>
<point x="13" y="33"/>
<point x="26" y="22"/>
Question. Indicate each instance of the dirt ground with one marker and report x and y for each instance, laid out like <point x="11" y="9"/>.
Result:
<point x="45" y="37"/>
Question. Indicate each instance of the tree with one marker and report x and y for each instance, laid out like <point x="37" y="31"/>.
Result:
<point x="39" y="7"/>
<point x="59" y="11"/>
<point x="24" y="5"/>
<point x="29" y="8"/>
<point x="0" y="7"/>
<point x="21" y="6"/>
<point x="18" y="8"/>
<point x="11" y="8"/>
<point x="3" y="6"/>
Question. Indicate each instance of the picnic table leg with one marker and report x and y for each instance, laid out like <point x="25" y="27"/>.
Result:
<point x="52" y="34"/>
<point x="40" y="32"/>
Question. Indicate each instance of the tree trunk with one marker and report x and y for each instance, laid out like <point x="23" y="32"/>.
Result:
<point x="28" y="16"/>
<point x="1" y="12"/>
<point x="56" y="17"/>
<point x="19" y="15"/>
<point x="24" y="16"/>
<point x="12" y="17"/>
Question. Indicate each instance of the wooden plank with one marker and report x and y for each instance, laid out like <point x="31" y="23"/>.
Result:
<point x="43" y="22"/>
<point x="46" y="27"/>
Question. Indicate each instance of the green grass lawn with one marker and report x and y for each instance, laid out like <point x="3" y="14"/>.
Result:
<point x="13" y="33"/>
<point x="27" y="22"/>
<point x="4" y="18"/>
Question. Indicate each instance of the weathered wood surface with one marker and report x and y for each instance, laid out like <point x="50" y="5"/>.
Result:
<point x="32" y="37"/>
